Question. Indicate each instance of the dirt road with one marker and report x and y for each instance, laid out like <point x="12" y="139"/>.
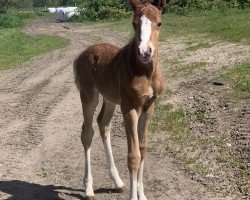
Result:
<point x="41" y="156"/>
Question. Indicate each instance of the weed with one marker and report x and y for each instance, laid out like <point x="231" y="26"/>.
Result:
<point x="199" y="168"/>
<point x="45" y="172"/>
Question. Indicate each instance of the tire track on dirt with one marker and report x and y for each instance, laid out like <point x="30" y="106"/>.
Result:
<point x="28" y="100"/>
<point x="241" y="136"/>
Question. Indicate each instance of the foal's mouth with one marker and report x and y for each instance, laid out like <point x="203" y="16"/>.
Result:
<point x="145" y="56"/>
<point x="145" y="60"/>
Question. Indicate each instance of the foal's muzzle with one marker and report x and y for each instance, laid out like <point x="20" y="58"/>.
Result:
<point x="145" y="55"/>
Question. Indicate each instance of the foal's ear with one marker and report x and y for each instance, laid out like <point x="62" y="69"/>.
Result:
<point x="134" y="3"/>
<point x="159" y="4"/>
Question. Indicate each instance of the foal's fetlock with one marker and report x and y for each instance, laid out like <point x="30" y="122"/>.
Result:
<point x="119" y="185"/>
<point x="142" y="197"/>
<point x="89" y="192"/>
<point x="117" y="180"/>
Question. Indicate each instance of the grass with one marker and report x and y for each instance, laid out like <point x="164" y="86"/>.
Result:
<point x="17" y="47"/>
<point x="199" y="46"/>
<point x="187" y="148"/>
<point x="175" y="123"/>
<point x="10" y="21"/>
<point x="230" y="25"/>
<point x="239" y="78"/>
<point x="184" y="70"/>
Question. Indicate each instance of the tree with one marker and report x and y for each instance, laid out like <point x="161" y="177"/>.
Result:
<point x="4" y="4"/>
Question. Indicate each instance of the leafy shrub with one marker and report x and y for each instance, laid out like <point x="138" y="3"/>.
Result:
<point x="4" y="4"/>
<point x="183" y="6"/>
<point x="10" y="21"/>
<point x="103" y="9"/>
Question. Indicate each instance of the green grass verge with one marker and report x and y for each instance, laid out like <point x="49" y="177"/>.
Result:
<point x="17" y="48"/>
<point x="239" y="78"/>
<point x="232" y="25"/>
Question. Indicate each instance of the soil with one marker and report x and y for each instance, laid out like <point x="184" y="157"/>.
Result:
<point x="41" y="155"/>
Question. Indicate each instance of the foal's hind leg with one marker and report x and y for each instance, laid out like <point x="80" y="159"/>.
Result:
<point x="89" y="103"/>
<point x="104" y="122"/>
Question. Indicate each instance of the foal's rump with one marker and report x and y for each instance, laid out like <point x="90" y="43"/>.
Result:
<point x="94" y="68"/>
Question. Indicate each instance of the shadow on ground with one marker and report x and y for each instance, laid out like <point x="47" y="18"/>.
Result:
<point x="21" y="190"/>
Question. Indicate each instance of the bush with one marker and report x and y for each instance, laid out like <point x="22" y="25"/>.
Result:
<point x="4" y="4"/>
<point x="10" y="21"/>
<point x="103" y="9"/>
<point x="26" y="14"/>
<point x="183" y="6"/>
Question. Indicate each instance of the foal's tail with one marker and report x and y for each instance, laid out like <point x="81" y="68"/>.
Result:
<point x="76" y="74"/>
<point x="83" y="72"/>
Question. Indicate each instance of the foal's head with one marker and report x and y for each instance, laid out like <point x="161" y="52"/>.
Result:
<point x="147" y="22"/>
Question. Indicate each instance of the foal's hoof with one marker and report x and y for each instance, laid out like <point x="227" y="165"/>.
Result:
<point x="89" y="198"/>
<point x="120" y="190"/>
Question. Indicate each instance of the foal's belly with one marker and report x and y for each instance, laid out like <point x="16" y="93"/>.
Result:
<point x="109" y="91"/>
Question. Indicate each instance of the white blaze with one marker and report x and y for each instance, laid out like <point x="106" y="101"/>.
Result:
<point x="145" y="33"/>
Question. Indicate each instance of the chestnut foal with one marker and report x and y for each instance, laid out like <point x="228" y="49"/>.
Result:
<point x="130" y="77"/>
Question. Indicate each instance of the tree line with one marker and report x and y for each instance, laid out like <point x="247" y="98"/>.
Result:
<point x="172" y="5"/>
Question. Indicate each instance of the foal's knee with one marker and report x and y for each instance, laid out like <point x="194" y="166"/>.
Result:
<point x="87" y="135"/>
<point x="134" y="160"/>
<point x="104" y="127"/>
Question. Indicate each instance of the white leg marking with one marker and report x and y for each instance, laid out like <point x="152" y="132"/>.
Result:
<point x="88" y="180"/>
<point x="133" y="188"/>
<point x="140" y="183"/>
<point x="110" y="159"/>
<point x="145" y="33"/>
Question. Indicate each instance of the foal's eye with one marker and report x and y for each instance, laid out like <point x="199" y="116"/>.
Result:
<point x="159" y="25"/>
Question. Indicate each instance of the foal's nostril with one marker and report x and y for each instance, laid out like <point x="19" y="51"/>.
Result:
<point x="149" y="50"/>
<point x="139" y="52"/>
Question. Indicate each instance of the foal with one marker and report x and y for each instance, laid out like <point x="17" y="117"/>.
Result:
<point x="130" y="77"/>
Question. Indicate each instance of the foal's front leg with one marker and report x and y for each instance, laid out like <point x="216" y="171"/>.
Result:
<point x="143" y="124"/>
<point x="134" y="155"/>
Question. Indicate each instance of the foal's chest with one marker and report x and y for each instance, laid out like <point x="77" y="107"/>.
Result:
<point x="145" y="89"/>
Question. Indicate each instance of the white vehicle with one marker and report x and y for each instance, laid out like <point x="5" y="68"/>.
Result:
<point x="64" y="13"/>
